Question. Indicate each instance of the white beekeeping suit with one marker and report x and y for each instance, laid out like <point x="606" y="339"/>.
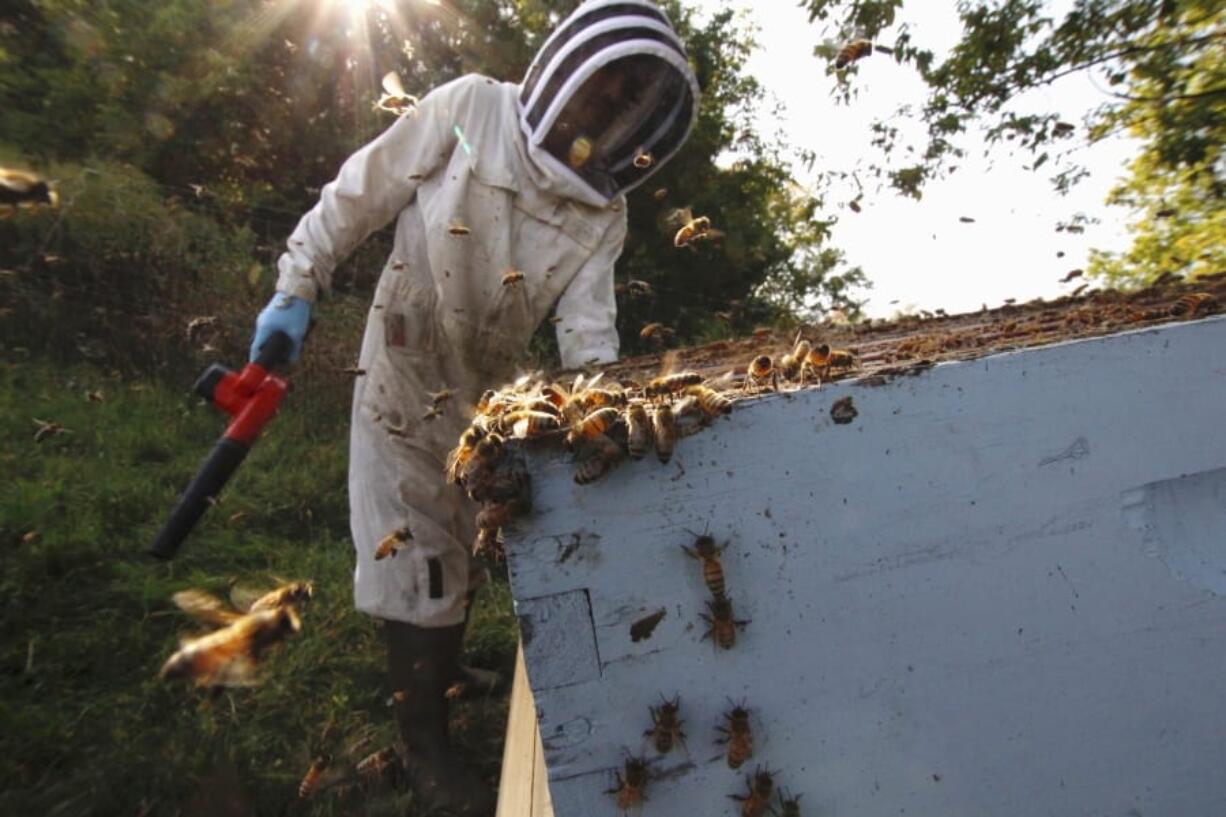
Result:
<point x="482" y="179"/>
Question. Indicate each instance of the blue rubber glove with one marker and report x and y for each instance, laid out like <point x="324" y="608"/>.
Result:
<point x="290" y="314"/>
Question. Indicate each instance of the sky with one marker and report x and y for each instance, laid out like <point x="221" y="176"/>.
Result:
<point x="918" y="255"/>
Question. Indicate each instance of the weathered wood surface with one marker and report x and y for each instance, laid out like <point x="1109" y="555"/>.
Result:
<point x="523" y="790"/>
<point x="994" y="592"/>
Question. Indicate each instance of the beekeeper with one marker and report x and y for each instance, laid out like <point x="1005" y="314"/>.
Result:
<point x="483" y="178"/>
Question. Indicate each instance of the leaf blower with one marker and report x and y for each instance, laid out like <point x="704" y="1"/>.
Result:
<point x="251" y="398"/>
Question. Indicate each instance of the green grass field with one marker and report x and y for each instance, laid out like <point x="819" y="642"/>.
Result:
<point x="85" y="725"/>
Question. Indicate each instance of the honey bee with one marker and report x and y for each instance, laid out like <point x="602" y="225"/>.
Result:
<point x="666" y="726"/>
<point x="854" y="50"/>
<point x="495" y="515"/>
<point x="580" y="152"/>
<point x="230" y="655"/>
<point x="722" y="626"/>
<point x="310" y="781"/>
<point x="528" y="423"/>
<point x="711" y="402"/>
<point x="664" y="429"/>
<point x="656" y="332"/>
<point x="374" y="766"/>
<point x="1194" y="303"/>
<point x="47" y="429"/>
<point x="598" y="422"/>
<point x="737" y="735"/>
<point x="391" y="544"/>
<point x="824" y="358"/>
<point x="788" y="806"/>
<point x="631" y="790"/>
<point x="439" y="397"/>
<point x="795" y="364"/>
<point x="394" y="98"/>
<point x="671" y="384"/>
<point x="458" y="230"/>
<point x="288" y="593"/>
<point x="597" y="456"/>
<point x="459" y="456"/>
<point x="639" y="289"/>
<point x="761" y="370"/>
<point x="197" y="325"/>
<point x="638" y="430"/>
<point x="708" y="553"/>
<point x="430" y="413"/>
<point x="643" y="159"/>
<point x="19" y="188"/>
<point x="660" y="194"/>
<point x="692" y="231"/>
<point x="761" y="786"/>
<point x="512" y="278"/>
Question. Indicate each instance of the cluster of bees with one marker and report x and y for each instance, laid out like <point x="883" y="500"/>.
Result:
<point x="734" y="733"/>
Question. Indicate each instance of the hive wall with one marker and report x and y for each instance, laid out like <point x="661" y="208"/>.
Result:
<point x="996" y="591"/>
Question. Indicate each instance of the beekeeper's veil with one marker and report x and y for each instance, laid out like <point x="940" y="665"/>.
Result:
<point x="610" y="97"/>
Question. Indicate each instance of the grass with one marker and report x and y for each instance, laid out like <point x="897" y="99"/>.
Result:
<point x="85" y="725"/>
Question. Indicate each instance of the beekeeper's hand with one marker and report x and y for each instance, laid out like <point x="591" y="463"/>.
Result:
<point x="287" y="313"/>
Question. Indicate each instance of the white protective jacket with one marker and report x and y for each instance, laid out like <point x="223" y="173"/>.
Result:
<point x="473" y="198"/>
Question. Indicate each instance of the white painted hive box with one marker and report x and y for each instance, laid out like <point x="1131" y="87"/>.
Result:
<point x="998" y="591"/>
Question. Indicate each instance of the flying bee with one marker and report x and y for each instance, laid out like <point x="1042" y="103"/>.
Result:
<point x="580" y="152"/>
<point x="198" y="324"/>
<point x="19" y="188"/>
<point x="310" y="781"/>
<point x="788" y="806"/>
<point x="598" y="422"/>
<point x="374" y="766"/>
<point x="430" y="413"/>
<point x="288" y="593"/>
<point x="512" y="277"/>
<point x="824" y="358"/>
<point x="760" y="372"/>
<point x="441" y="396"/>
<point x="722" y="626"/>
<point x="394" y="98"/>
<point x="854" y="50"/>
<point x="527" y="423"/>
<point x="597" y="456"/>
<point x="664" y="430"/>
<point x="47" y="429"/>
<point x="639" y="289"/>
<point x="692" y="231"/>
<point x="737" y="735"/>
<point x="711" y="402"/>
<point x="391" y="544"/>
<point x="1194" y="303"/>
<point x="638" y="430"/>
<point x="458" y="230"/>
<point x="666" y="726"/>
<point x="660" y="193"/>
<point x="708" y="553"/>
<point x="643" y="159"/>
<point x="671" y="384"/>
<point x="631" y="790"/>
<point x="656" y="332"/>
<point x="230" y="655"/>
<point x="761" y="786"/>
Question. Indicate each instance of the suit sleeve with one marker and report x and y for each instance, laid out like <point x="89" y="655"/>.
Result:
<point x="587" y="332"/>
<point x="373" y="186"/>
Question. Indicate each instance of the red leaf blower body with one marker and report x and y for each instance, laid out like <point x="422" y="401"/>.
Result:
<point x="251" y="398"/>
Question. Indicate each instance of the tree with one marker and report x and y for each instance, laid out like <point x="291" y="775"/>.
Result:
<point x="1167" y="53"/>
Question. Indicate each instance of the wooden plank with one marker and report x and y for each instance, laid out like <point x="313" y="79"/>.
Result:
<point x="523" y="790"/>
<point x="997" y="591"/>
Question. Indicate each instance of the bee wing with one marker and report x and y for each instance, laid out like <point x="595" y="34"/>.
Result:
<point x="392" y="85"/>
<point x="595" y="379"/>
<point x="204" y="607"/>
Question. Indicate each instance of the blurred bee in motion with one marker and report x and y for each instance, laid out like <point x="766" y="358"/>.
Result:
<point x="656" y="332"/>
<point x="761" y="787"/>
<point x="760" y="374"/>
<point x="664" y="432"/>
<point x="631" y="789"/>
<point x="296" y="593"/>
<point x="737" y="736"/>
<point x="1194" y="303"/>
<point x="824" y="358"/>
<point x="643" y="159"/>
<point x="429" y="414"/>
<point x="197" y="325"/>
<point x="853" y="51"/>
<point x="394" y="98"/>
<point x="640" y="289"/>
<point x="666" y="725"/>
<point x="597" y="456"/>
<point x="721" y="626"/>
<point x="580" y="152"/>
<point x="377" y="766"/>
<point x="660" y="193"/>
<point x="391" y="544"/>
<point x="788" y="806"/>
<point x="600" y="421"/>
<point x="667" y="384"/>
<point x="22" y="189"/>
<point x="638" y="430"/>
<point x="711" y="402"/>
<point x="694" y="230"/>
<point x="310" y="781"/>
<point x="708" y="554"/>
<point x="229" y="656"/>
<point x="437" y="398"/>
<point x="458" y="230"/>
<point x="512" y="278"/>
<point x="47" y="429"/>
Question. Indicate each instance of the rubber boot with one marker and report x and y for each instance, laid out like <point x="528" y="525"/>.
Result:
<point x="421" y="661"/>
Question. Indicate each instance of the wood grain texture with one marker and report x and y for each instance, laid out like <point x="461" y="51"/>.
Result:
<point x="956" y="602"/>
<point x="523" y="789"/>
